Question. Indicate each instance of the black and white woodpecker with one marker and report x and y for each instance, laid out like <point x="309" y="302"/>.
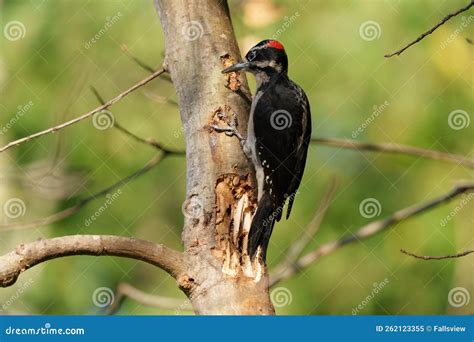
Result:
<point x="278" y="136"/>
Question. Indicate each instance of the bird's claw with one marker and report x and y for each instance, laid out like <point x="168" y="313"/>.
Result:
<point x="231" y="128"/>
<point x="229" y="131"/>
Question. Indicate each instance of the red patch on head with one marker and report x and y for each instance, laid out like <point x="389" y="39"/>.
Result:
<point x="275" y="44"/>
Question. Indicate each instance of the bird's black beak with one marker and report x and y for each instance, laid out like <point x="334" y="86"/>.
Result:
<point x="237" y="67"/>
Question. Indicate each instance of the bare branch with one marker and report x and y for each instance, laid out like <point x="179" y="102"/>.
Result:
<point x="449" y="256"/>
<point x="125" y="290"/>
<point x="28" y="255"/>
<point x="430" y="31"/>
<point x="396" y="148"/>
<point x="150" y="141"/>
<point x="307" y="236"/>
<point x="370" y="230"/>
<point x="86" y="115"/>
<point x="74" y="209"/>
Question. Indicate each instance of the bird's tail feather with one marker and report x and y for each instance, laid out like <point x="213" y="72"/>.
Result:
<point x="262" y="226"/>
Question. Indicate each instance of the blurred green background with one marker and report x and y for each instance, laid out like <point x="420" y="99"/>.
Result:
<point x="341" y="67"/>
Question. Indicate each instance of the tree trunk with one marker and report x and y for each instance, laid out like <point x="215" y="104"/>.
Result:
<point x="220" y="198"/>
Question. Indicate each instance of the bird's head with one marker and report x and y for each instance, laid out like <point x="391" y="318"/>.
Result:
<point x="268" y="57"/>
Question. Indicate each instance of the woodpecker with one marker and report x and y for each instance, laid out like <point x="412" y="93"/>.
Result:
<point x="278" y="136"/>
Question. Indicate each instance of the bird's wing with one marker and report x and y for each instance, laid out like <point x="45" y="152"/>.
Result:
<point x="278" y="124"/>
<point x="302" y="152"/>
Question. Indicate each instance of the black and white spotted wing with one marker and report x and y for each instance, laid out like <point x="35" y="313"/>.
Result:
<point x="283" y="138"/>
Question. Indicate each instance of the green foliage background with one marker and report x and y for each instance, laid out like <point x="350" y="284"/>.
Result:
<point x="344" y="76"/>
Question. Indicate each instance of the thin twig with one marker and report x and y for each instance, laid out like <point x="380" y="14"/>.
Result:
<point x="30" y="254"/>
<point x="369" y="230"/>
<point x="86" y="115"/>
<point x="430" y="31"/>
<point x="61" y="215"/>
<point x="125" y="290"/>
<point x="427" y="257"/>
<point x="396" y="148"/>
<point x="150" y="141"/>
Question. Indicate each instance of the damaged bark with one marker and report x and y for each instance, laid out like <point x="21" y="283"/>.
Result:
<point x="220" y="198"/>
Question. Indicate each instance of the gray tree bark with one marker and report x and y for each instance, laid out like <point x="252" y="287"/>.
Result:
<point x="199" y="43"/>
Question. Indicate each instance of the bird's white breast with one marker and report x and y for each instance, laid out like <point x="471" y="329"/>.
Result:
<point x="250" y="145"/>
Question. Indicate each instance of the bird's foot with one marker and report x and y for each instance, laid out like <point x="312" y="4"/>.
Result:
<point x="230" y="129"/>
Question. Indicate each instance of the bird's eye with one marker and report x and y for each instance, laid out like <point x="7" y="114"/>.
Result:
<point x="251" y="55"/>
